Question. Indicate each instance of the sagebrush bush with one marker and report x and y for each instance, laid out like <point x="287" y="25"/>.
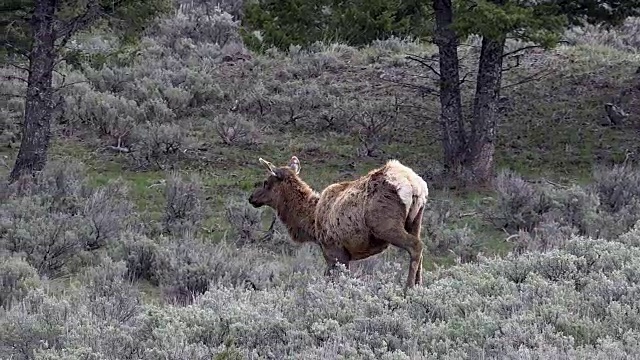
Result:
<point x="17" y="278"/>
<point x="547" y="235"/>
<point x="194" y="265"/>
<point x="245" y="221"/>
<point x="198" y="23"/>
<point x="443" y="237"/>
<point x="519" y="205"/>
<point x="234" y="129"/>
<point x="247" y="228"/>
<point x="575" y="207"/>
<point x="111" y="298"/>
<point x="143" y="257"/>
<point x="107" y="113"/>
<point x="618" y="189"/>
<point x="625" y="37"/>
<point x="578" y="301"/>
<point x="185" y="205"/>
<point x="606" y="208"/>
<point x="157" y="146"/>
<point x="145" y="107"/>
<point x="55" y="220"/>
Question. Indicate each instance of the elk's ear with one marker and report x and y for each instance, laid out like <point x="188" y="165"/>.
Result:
<point x="294" y="164"/>
<point x="268" y="165"/>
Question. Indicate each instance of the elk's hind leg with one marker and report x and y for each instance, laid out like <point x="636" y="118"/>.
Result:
<point x="414" y="227"/>
<point x="395" y="233"/>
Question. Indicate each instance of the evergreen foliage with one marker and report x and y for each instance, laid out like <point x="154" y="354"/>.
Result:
<point x="355" y="22"/>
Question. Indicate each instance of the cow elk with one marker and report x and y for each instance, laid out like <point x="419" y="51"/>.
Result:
<point x="350" y="220"/>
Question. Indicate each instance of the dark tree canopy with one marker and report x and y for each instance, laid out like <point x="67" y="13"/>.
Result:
<point x="127" y="18"/>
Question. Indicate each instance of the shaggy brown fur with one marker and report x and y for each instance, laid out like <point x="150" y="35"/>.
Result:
<point x="350" y="220"/>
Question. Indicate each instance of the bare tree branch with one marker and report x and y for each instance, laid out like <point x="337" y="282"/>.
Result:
<point x="510" y="67"/>
<point x="524" y="48"/>
<point x="12" y="95"/>
<point x="422" y="89"/>
<point x="529" y="47"/>
<point x="535" y="77"/>
<point x="18" y="67"/>
<point x="70" y="84"/>
<point x="423" y="62"/>
<point x="12" y="77"/>
<point x="464" y="78"/>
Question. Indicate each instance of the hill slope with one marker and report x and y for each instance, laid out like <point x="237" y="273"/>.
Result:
<point x="142" y="208"/>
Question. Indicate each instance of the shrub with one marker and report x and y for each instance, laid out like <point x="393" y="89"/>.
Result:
<point x="109" y="212"/>
<point x="247" y="228"/>
<point x="624" y="37"/>
<point x="191" y="266"/>
<point x="618" y="189"/>
<point x="245" y="221"/>
<point x="17" y="278"/>
<point x="579" y="301"/>
<point x="185" y="206"/>
<point x="55" y="220"/>
<point x="35" y="326"/>
<point x="606" y="208"/>
<point x="144" y="257"/>
<point x="106" y="113"/>
<point x="157" y="146"/>
<point x="110" y="298"/>
<point x="200" y="23"/>
<point x="519" y="205"/>
<point x="235" y="129"/>
<point x="547" y="235"/>
<point x="575" y="207"/>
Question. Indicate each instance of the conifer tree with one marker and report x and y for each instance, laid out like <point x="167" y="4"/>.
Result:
<point x="469" y="153"/>
<point x="34" y="36"/>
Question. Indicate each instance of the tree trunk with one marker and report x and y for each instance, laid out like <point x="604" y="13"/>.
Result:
<point x="36" y="127"/>
<point x="453" y="133"/>
<point x="480" y="160"/>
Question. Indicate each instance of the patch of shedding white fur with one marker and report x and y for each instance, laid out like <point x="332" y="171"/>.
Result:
<point x="412" y="189"/>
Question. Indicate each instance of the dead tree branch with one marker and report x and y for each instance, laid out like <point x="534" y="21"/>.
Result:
<point x="423" y="90"/>
<point x="12" y="95"/>
<point x="529" y="47"/>
<point x="535" y="77"/>
<point x="517" y="64"/>
<point x="13" y="77"/>
<point x="22" y="68"/>
<point x="521" y="49"/>
<point x="423" y="62"/>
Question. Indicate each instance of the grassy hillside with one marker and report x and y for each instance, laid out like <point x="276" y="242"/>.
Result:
<point x="159" y="255"/>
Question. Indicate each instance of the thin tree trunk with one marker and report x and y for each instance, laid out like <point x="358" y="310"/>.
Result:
<point x="36" y="127"/>
<point x="453" y="133"/>
<point x="480" y="161"/>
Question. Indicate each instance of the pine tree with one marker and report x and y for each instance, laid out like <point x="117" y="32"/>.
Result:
<point x="469" y="153"/>
<point x="34" y="36"/>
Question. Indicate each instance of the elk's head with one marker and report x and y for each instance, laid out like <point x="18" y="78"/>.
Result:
<point x="279" y="179"/>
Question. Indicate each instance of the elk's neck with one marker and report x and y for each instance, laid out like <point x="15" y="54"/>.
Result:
<point x="297" y="212"/>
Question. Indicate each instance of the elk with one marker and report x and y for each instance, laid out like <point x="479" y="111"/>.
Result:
<point x="350" y="220"/>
